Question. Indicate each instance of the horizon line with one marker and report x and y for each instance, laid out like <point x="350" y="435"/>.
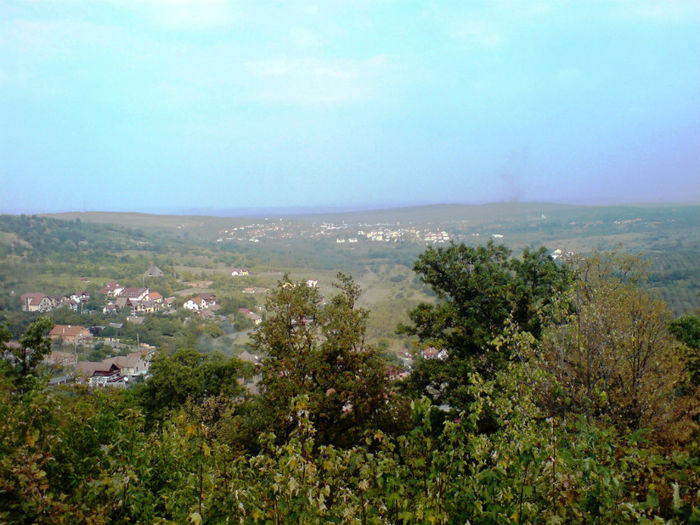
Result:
<point x="302" y="210"/>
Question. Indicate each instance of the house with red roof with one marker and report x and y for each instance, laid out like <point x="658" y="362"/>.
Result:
<point x="70" y="333"/>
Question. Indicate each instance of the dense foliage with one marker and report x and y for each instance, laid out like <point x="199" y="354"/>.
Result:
<point x="567" y="396"/>
<point x="319" y="350"/>
<point x="480" y="290"/>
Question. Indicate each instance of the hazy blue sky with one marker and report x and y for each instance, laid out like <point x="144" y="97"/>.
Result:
<point x="157" y="105"/>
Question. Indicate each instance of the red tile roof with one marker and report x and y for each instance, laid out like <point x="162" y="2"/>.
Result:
<point x="32" y="298"/>
<point x="62" y="330"/>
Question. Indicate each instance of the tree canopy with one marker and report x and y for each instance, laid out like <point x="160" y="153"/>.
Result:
<point x="478" y="289"/>
<point x="318" y="349"/>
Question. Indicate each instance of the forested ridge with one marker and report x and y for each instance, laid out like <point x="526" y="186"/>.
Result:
<point x="555" y="393"/>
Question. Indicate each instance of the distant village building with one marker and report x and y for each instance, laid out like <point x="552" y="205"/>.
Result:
<point x="195" y="303"/>
<point x="70" y="333"/>
<point x="115" y="371"/>
<point x="97" y="374"/>
<point x="146" y="306"/>
<point x="111" y="289"/>
<point x="434" y="353"/>
<point x="80" y="297"/>
<point x="110" y="308"/>
<point x="561" y="255"/>
<point x="77" y="299"/>
<point x="312" y="283"/>
<point x="134" y="294"/>
<point x="256" y="318"/>
<point x="59" y="300"/>
<point x="41" y="302"/>
<point x="200" y="302"/>
<point x="238" y="272"/>
<point x="154" y="271"/>
<point x="122" y="302"/>
<point x="394" y="373"/>
<point x="36" y="302"/>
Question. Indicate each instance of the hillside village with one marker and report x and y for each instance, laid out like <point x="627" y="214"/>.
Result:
<point x="271" y="230"/>
<point x="132" y="305"/>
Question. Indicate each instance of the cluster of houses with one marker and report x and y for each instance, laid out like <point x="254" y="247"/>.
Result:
<point x="134" y="300"/>
<point x="115" y="371"/>
<point x="440" y="237"/>
<point x="41" y="302"/>
<point x="386" y="234"/>
<point x="119" y="371"/>
<point x="120" y="298"/>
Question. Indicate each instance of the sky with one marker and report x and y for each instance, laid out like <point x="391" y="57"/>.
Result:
<point x="174" y="105"/>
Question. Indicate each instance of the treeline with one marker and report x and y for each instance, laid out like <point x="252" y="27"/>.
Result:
<point x="43" y="236"/>
<point x="675" y="275"/>
<point x="546" y="393"/>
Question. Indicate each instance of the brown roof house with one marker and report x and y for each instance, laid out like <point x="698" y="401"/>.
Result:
<point x="145" y="306"/>
<point x="36" y="302"/>
<point x="154" y="271"/>
<point x="70" y="333"/>
<point x="115" y="371"/>
<point x="135" y="294"/>
<point x="98" y="374"/>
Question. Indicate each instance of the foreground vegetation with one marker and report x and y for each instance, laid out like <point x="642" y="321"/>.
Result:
<point x="566" y="394"/>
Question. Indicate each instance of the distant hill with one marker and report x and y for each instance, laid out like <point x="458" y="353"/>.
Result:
<point x="180" y="225"/>
<point x="667" y="235"/>
<point x="496" y="214"/>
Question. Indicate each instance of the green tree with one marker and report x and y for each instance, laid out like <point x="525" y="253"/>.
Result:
<point x="188" y="375"/>
<point x="33" y="345"/>
<point x="479" y="290"/>
<point x="614" y="354"/>
<point x="687" y="330"/>
<point x="319" y="349"/>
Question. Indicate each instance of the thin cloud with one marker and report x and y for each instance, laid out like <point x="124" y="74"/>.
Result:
<point x="317" y="82"/>
<point x="677" y="11"/>
<point x="185" y="15"/>
<point x="476" y="32"/>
